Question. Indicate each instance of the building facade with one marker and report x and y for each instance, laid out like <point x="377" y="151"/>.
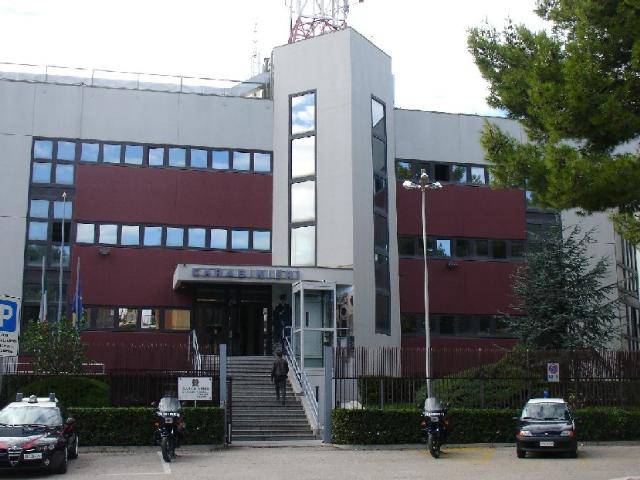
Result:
<point x="192" y="211"/>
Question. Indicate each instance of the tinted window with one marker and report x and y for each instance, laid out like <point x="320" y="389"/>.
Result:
<point x="303" y="201"/>
<point x="239" y="239"/>
<point x="218" y="238"/>
<point x="127" y="318"/>
<point x="89" y="152"/>
<point x="130" y="235"/>
<point x="303" y="157"/>
<point x="31" y="414"/>
<point x="477" y="175"/>
<point x="220" y="159"/>
<point x="303" y="246"/>
<point x="261" y="162"/>
<point x="404" y="171"/>
<point x="43" y="149"/>
<point x="303" y="113"/>
<point x="379" y="156"/>
<point x="377" y="118"/>
<point x="108" y="234"/>
<point x="177" y="319"/>
<point x="62" y="208"/>
<point x="443" y="248"/>
<point x="35" y="253"/>
<point x="85" y="233"/>
<point x="39" y="209"/>
<point x="517" y="249"/>
<point x="38" y="230"/>
<point x="64" y="174"/>
<point x="447" y="326"/>
<point x="55" y="255"/>
<point x="383" y="310"/>
<point x="261" y="240"/>
<point x="546" y="411"/>
<point x="175" y="237"/>
<point x="41" y="173"/>
<point x="177" y="157"/>
<point x="482" y="248"/>
<point x="407" y="247"/>
<point x="133" y="154"/>
<point x="198" y="158"/>
<point x="150" y="318"/>
<point x="498" y="249"/>
<point x="463" y="248"/>
<point x="459" y="173"/>
<point x="111" y="153"/>
<point x="441" y="172"/>
<point x="66" y="151"/>
<point x="196" y="237"/>
<point x="152" y="236"/>
<point x="241" y="160"/>
<point x="156" y="157"/>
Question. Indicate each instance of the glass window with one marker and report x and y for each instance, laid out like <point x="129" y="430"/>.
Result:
<point x="381" y="266"/>
<point x="517" y="249"/>
<point x="35" y="254"/>
<point x="482" y="248"/>
<point x="66" y="151"/>
<point x="62" y="208"/>
<point x="130" y="235"/>
<point x="380" y="191"/>
<point x="152" y="236"/>
<point x="379" y="155"/>
<point x="177" y="157"/>
<point x="108" y="234"/>
<point x="459" y="173"/>
<point x="177" y="319"/>
<point x="443" y="248"/>
<point x="484" y="326"/>
<point x="218" y="238"/>
<point x="441" y="172"/>
<point x="261" y="240"/>
<point x="43" y="149"/>
<point x="133" y="154"/>
<point x="447" y="325"/>
<point x="463" y="248"/>
<point x="150" y="318"/>
<point x="241" y="160"/>
<point x="38" y="230"/>
<point x="41" y="173"/>
<point x="383" y="313"/>
<point x="466" y="325"/>
<point x="303" y="201"/>
<point x="64" y="174"/>
<point x="127" y="318"/>
<point x="196" y="237"/>
<point x="55" y="255"/>
<point x="39" y="209"/>
<point x="404" y="171"/>
<point x="303" y="113"/>
<point x="56" y="231"/>
<point x="303" y="246"/>
<point x="198" y="158"/>
<point x="89" y="152"/>
<point x="239" y="239"/>
<point x="406" y="247"/>
<point x="175" y="237"/>
<point x="104" y="317"/>
<point x="220" y="159"/>
<point x="303" y="157"/>
<point x="111" y="153"/>
<point x="498" y="249"/>
<point x="477" y="175"/>
<point x="380" y="232"/>
<point x="156" y="157"/>
<point x="261" y="162"/>
<point x="377" y="118"/>
<point x="85" y="233"/>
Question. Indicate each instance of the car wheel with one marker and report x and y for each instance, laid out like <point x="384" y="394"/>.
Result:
<point x="63" y="463"/>
<point x="73" y="453"/>
<point x="520" y="453"/>
<point x="573" y="453"/>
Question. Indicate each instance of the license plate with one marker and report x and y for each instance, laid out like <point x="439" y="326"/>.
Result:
<point x="168" y="419"/>
<point x="33" y="456"/>
<point x="435" y="418"/>
<point x="547" y="444"/>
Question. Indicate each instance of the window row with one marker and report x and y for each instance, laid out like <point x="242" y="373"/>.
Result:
<point x="148" y="155"/>
<point x="442" y="172"/>
<point x="412" y="247"/>
<point x="455" y="325"/>
<point x="164" y="236"/>
<point x="44" y="172"/>
<point x="126" y="318"/>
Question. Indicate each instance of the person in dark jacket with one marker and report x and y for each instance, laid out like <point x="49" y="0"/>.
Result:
<point x="279" y="373"/>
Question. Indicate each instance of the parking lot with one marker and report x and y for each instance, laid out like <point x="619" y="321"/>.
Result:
<point x="326" y="462"/>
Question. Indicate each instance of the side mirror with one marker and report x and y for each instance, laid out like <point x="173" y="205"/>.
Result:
<point x="515" y="418"/>
<point x="70" y="421"/>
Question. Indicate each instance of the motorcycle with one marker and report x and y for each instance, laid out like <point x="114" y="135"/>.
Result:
<point x="170" y="427"/>
<point x="434" y="426"/>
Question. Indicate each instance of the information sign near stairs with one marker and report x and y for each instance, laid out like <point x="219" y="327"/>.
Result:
<point x="257" y="416"/>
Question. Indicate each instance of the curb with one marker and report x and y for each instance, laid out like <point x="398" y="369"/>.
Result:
<point x="132" y="450"/>
<point x="418" y="446"/>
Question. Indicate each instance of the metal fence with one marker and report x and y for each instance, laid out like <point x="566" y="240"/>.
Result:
<point x="484" y="378"/>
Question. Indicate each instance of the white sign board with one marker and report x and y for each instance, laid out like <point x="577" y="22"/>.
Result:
<point x="9" y="325"/>
<point x="195" y="388"/>
<point x="553" y="372"/>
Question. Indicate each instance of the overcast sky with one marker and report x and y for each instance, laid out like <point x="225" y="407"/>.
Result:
<point x="214" y="38"/>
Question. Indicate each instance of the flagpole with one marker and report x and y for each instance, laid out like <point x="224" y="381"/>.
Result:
<point x="76" y="300"/>
<point x="64" y="214"/>
<point x="43" y="315"/>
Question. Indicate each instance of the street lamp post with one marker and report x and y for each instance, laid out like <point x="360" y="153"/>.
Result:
<point x="423" y="185"/>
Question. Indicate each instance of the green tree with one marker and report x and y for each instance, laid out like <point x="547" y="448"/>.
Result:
<point x="561" y="291"/>
<point x="56" y="347"/>
<point x="576" y="91"/>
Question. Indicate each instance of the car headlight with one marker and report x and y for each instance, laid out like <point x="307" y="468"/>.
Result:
<point x="526" y="433"/>
<point x="567" y="433"/>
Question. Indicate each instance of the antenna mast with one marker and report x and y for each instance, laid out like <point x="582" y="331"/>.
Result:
<point x="310" y="18"/>
<point x="255" y="55"/>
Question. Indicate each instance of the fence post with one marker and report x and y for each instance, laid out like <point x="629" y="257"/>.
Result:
<point x="381" y="393"/>
<point x="529" y="387"/>
<point x="223" y="374"/>
<point x="328" y="393"/>
<point x="481" y="388"/>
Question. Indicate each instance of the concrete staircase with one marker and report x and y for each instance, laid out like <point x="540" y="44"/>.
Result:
<point x="256" y="415"/>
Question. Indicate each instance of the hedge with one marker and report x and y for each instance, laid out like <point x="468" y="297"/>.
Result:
<point x="134" y="425"/>
<point x="368" y="427"/>
<point x="72" y="391"/>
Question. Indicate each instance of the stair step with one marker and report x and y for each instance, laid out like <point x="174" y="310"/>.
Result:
<point x="271" y="437"/>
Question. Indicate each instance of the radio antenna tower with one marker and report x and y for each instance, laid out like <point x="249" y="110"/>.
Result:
<point x="255" y="55"/>
<point x="310" y="18"/>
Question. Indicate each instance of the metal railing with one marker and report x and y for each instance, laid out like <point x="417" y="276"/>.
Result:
<point x="194" y="351"/>
<point x="302" y="379"/>
<point x="133" y="80"/>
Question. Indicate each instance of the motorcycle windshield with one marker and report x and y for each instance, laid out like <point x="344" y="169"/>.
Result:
<point x="169" y="404"/>
<point x="432" y="404"/>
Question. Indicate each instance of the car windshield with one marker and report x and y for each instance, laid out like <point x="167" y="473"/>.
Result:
<point x="169" y="404"/>
<point x="546" y="411"/>
<point x="30" y="415"/>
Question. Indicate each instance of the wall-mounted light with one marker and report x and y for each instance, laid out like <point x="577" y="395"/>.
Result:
<point x="104" y="251"/>
<point x="452" y="265"/>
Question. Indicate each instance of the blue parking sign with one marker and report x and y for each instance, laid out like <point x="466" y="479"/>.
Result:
<point x="9" y="314"/>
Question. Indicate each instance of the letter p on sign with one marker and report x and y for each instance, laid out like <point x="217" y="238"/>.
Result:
<point x="8" y="315"/>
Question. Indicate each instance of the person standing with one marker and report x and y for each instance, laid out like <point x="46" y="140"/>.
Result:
<point x="281" y="322"/>
<point x="279" y="373"/>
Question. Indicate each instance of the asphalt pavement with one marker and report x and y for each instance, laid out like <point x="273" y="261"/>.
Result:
<point x="327" y="462"/>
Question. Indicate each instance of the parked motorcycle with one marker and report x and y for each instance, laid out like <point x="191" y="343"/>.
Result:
<point x="434" y="426"/>
<point x="170" y="427"/>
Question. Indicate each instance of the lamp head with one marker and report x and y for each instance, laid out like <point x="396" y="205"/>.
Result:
<point x="408" y="184"/>
<point x="437" y="185"/>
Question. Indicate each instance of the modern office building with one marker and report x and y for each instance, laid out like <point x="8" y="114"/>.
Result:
<point x="191" y="208"/>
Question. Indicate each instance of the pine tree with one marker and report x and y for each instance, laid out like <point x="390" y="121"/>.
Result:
<point x="561" y="292"/>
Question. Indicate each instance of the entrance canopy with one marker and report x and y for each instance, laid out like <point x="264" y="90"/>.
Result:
<point x="189" y="273"/>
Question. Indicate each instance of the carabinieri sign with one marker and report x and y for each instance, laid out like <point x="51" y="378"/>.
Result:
<point x="257" y="273"/>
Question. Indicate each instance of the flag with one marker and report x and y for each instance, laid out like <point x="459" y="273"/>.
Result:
<point x="76" y="308"/>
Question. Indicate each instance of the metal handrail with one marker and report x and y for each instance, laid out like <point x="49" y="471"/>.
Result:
<point x="303" y="380"/>
<point x="194" y="351"/>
